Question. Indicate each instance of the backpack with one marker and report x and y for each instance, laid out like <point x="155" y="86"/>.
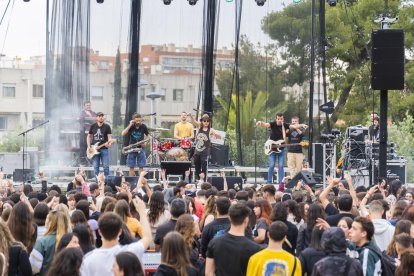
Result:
<point x="388" y="264"/>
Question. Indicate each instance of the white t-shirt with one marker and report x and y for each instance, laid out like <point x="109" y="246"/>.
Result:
<point x="101" y="260"/>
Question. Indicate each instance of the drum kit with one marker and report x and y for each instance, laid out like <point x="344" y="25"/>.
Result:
<point x="169" y="149"/>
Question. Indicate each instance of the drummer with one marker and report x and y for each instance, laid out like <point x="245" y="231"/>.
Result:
<point x="183" y="129"/>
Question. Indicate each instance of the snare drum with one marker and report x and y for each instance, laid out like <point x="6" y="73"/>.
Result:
<point x="166" y="146"/>
<point x="185" y="143"/>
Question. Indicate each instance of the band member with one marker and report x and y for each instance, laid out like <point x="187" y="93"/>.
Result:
<point x="86" y="118"/>
<point x="137" y="131"/>
<point x="101" y="133"/>
<point x="278" y="131"/>
<point x="374" y="130"/>
<point x="183" y="129"/>
<point x="203" y="144"/>
<point x="295" y="154"/>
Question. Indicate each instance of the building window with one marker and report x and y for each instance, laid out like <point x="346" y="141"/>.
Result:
<point x="37" y="91"/>
<point x="9" y="90"/>
<point x="178" y="95"/>
<point x="164" y="92"/>
<point x="3" y="123"/>
<point x="142" y="94"/>
<point x="97" y="92"/>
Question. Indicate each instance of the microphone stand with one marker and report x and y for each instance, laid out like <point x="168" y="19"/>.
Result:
<point x="23" y="134"/>
<point x="255" y="153"/>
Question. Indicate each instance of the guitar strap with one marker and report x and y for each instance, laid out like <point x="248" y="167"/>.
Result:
<point x="283" y="132"/>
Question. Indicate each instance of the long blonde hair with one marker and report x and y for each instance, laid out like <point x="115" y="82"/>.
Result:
<point x="7" y="240"/>
<point x="57" y="223"/>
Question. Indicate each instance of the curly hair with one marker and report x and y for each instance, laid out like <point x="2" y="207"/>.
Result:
<point x="185" y="226"/>
<point x="156" y="207"/>
<point x="67" y="262"/>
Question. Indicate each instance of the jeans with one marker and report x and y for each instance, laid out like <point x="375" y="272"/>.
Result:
<point x="280" y="161"/>
<point x="104" y="156"/>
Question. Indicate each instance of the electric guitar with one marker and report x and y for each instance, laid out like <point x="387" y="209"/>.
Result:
<point x="94" y="149"/>
<point x="275" y="146"/>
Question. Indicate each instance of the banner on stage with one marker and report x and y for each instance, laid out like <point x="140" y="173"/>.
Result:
<point x="221" y="140"/>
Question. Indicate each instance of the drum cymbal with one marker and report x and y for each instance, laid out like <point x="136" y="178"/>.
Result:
<point x="157" y="129"/>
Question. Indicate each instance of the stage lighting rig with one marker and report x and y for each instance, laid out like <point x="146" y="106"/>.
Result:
<point x="260" y="2"/>
<point x="167" y="2"/>
<point x="192" y="2"/>
<point x="100" y="1"/>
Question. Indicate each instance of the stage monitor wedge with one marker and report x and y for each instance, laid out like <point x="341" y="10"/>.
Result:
<point x="305" y="176"/>
<point x="387" y="59"/>
<point x="176" y="167"/>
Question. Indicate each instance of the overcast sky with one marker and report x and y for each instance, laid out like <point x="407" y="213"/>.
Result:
<point x="22" y="32"/>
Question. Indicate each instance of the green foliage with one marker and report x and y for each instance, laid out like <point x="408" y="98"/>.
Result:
<point x="116" y="120"/>
<point x="11" y="142"/>
<point x="402" y="135"/>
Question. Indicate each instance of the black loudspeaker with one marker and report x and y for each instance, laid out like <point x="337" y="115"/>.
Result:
<point x="219" y="155"/>
<point x="18" y="175"/>
<point x="176" y="167"/>
<point x="113" y="181"/>
<point x="305" y="176"/>
<point x="318" y="157"/>
<point x="387" y="59"/>
<point x="217" y="181"/>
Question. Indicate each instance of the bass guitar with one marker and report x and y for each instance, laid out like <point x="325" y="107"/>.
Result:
<point x="275" y="146"/>
<point x="94" y="149"/>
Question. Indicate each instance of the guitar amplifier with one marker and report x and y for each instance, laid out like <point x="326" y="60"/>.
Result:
<point x="357" y="133"/>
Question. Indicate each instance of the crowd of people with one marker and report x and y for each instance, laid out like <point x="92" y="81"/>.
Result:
<point x="90" y="229"/>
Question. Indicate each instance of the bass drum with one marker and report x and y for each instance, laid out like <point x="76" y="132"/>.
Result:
<point x="177" y="154"/>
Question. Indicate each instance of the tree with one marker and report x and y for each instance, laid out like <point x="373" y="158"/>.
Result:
<point x="116" y="113"/>
<point x="250" y="109"/>
<point x="348" y="31"/>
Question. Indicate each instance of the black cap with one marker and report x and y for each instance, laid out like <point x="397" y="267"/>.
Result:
<point x="99" y="114"/>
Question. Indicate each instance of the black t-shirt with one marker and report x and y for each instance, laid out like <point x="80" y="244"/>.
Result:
<point x="136" y="134"/>
<point x="295" y="138"/>
<point x="334" y="219"/>
<point x="203" y="143"/>
<point x="165" y="270"/>
<point x="331" y="210"/>
<point x="276" y="132"/>
<point x="216" y="228"/>
<point x="100" y="133"/>
<point x="374" y="133"/>
<point x="163" y="230"/>
<point x="231" y="254"/>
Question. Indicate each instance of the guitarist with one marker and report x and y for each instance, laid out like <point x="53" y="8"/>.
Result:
<point x="295" y="154"/>
<point x="137" y="131"/>
<point x="101" y="133"/>
<point x="278" y="131"/>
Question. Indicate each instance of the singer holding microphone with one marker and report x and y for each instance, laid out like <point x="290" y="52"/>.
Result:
<point x="202" y="144"/>
<point x="137" y="131"/>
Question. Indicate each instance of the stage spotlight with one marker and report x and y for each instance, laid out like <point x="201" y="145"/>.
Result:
<point x="192" y="2"/>
<point x="100" y="1"/>
<point x="260" y="2"/>
<point x="332" y="3"/>
<point x="26" y="0"/>
<point x="167" y="2"/>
